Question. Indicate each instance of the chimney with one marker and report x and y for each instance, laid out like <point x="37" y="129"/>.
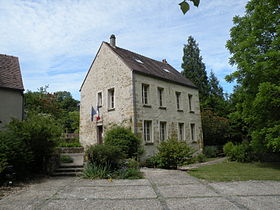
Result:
<point x="113" y="40"/>
<point x="164" y="61"/>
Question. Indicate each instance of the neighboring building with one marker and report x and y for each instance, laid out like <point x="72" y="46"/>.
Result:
<point x="11" y="90"/>
<point x="151" y="97"/>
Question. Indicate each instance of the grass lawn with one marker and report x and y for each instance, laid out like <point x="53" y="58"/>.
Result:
<point x="234" y="171"/>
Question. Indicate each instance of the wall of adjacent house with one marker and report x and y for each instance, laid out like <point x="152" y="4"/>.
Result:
<point x="108" y="71"/>
<point x="11" y="105"/>
<point x="170" y="115"/>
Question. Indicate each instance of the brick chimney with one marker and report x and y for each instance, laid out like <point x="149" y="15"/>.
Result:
<point x="164" y="61"/>
<point x="113" y="40"/>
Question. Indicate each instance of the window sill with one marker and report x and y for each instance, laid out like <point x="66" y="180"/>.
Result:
<point x="192" y="112"/>
<point x="180" y="110"/>
<point x="111" y="109"/>
<point x="149" y="143"/>
<point x="162" y="107"/>
<point x="147" y="105"/>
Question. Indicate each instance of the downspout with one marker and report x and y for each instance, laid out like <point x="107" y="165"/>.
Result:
<point x="134" y="104"/>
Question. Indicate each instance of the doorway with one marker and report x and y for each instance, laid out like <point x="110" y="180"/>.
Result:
<point x="99" y="134"/>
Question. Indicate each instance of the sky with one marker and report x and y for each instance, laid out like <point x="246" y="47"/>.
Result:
<point x="57" y="40"/>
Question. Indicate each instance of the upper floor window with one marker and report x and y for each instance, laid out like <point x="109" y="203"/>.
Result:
<point x="99" y="99"/>
<point x="111" y="98"/>
<point x="148" y="131"/>
<point x="145" y="93"/>
<point x="193" y="132"/>
<point x="190" y="103"/>
<point x="178" y="100"/>
<point x="162" y="131"/>
<point x="160" y="96"/>
<point x="181" y="134"/>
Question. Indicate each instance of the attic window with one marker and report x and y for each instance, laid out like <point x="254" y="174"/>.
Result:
<point x="137" y="60"/>
<point x="166" y="70"/>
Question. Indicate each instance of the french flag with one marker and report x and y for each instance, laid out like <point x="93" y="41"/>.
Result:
<point x="97" y="117"/>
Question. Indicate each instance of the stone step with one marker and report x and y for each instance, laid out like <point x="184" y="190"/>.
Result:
<point x="71" y="166"/>
<point x="69" y="169"/>
<point x="67" y="173"/>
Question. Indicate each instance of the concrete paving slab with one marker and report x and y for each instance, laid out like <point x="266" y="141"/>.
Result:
<point x="103" y="204"/>
<point x="248" y="187"/>
<point x="116" y="192"/>
<point x="260" y="202"/>
<point x="20" y="204"/>
<point x="114" y="182"/>
<point x="200" y="203"/>
<point x="185" y="191"/>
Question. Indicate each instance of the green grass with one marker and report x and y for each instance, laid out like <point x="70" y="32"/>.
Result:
<point x="235" y="171"/>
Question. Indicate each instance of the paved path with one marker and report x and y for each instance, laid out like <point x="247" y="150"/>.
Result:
<point x="162" y="189"/>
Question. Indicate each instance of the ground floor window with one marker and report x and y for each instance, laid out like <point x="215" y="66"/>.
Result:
<point x="147" y="130"/>
<point x="162" y="131"/>
<point x="181" y="133"/>
<point x="192" y="131"/>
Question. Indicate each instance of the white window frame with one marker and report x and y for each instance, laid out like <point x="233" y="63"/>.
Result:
<point x="145" y="97"/>
<point x="178" y="100"/>
<point x="151" y="132"/>
<point x="193" y="132"/>
<point x="166" y="134"/>
<point x="160" y="96"/>
<point x="110" y="90"/>
<point x="98" y="101"/>
<point x="179" y="131"/>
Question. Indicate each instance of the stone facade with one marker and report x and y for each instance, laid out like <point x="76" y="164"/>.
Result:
<point x="110" y="72"/>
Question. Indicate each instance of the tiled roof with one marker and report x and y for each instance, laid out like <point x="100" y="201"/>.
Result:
<point x="10" y="76"/>
<point x="150" y="67"/>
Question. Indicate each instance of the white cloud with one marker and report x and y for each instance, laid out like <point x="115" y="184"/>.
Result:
<point x="57" y="40"/>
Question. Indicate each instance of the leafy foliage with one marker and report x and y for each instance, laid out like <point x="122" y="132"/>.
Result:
<point x="172" y="153"/>
<point x="185" y="5"/>
<point x="240" y="152"/>
<point x="210" y="151"/>
<point x="254" y="46"/>
<point x="124" y="139"/>
<point x="105" y="155"/>
<point x="94" y="171"/>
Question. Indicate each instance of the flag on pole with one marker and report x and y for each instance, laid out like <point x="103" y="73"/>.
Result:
<point x="93" y="112"/>
<point x="98" y="117"/>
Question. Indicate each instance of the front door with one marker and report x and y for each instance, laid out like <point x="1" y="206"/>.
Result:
<point x="100" y="134"/>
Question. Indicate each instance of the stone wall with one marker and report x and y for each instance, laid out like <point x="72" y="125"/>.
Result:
<point x="170" y="115"/>
<point x="107" y="71"/>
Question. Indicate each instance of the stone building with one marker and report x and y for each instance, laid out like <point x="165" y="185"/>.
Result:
<point x="11" y="90"/>
<point x="148" y="96"/>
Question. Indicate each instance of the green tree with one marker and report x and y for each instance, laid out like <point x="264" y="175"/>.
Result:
<point x="194" y="69"/>
<point x="184" y="5"/>
<point x="255" y="47"/>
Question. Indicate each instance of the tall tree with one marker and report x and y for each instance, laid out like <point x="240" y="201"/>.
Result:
<point x="255" y="47"/>
<point x="193" y="67"/>
<point x="215" y="87"/>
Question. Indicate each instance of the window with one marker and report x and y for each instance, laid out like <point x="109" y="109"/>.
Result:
<point x="111" y="98"/>
<point x="178" y="100"/>
<point x="190" y="103"/>
<point x="162" y="131"/>
<point x="147" y="131"/>
<point x="181" y="136"/>
<point x="160" y="96"/>
<point x="192" y="132"/>
<point x="99" y="99"/>
<point x="145" y="93"/>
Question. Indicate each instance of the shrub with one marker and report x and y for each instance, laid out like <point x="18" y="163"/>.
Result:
<point x="105" y="155"/>
<point x="93" y="171"/>
<point x="172" y="153"/>
<point x="40" y="133"/>
<point x="210" y="151"/>
<point x="131" y="163"/>
<point x="66" y="159"/>
<point x="240" y="152"/>
<point x="124" y="139"/>
<point x="200" y="158"/>
<point x="15" y="152"/>
<point x="152" y="162"/>
<point x="129" y="173"/>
